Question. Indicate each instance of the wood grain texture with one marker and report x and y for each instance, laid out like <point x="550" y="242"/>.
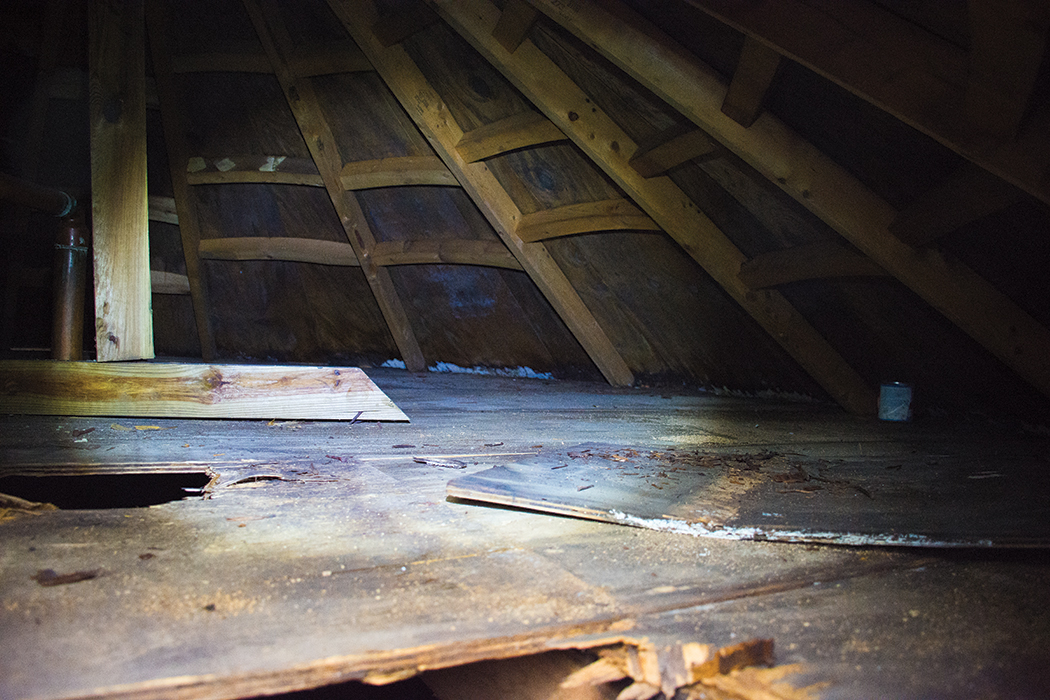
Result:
<point x="806" y="262"/>
<point x="518" y="131"/>
<point x="754" y="73"/>
<point x="308" y="250"/>
<point x="117" y="105"/>
<point x="819" y="184"/>
<point x="396" y="172"/>
<point x="184" y="200"/>
<point x="608" y="215"/>
<point x="918" y="77"/>
<point x="309" y="115"/>
<point x="514" y="23"/>
<point x="192" y="391"/>
<point x="773" y="496"/>
<point x="672" y="148"/>
<point x="428" y="109"/>
<point x="597" y="135"/>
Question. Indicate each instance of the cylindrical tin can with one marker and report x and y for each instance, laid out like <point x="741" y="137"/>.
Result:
<point x="895" y="401"/>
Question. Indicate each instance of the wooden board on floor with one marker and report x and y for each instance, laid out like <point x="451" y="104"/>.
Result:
<point x="43" y="387"/>
<point x="918" y="502"/>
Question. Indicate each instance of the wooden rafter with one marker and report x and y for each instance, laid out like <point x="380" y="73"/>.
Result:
<point x="184" y="200"/>
<point x="120" y="220"/>
<point x="919" y="78"/>
<point x="595" y="133"/>
<point x="425" y="106"/>
<point x="815" y="181"/>
<point x="306" y="109"/>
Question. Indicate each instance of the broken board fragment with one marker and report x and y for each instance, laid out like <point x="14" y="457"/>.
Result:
<point x="961" y="501"/>
<point x="162" y="390"/>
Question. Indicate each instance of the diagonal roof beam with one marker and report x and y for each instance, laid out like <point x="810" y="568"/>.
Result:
<point x="597" y="135"/>
<point x="426" y="108"/>
<point x="322" y="144"/>
<point x="814" y="180"/>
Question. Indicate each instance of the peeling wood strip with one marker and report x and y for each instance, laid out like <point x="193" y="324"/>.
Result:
<point x="185" y="203"/>
<point x="161" y="390"/>
<point x="609" y="215"/>
<point x="306" y="250"/>
<point x="519" y="131"/>
<point x="672" y="148"/>
<point x="306" y="108"/>
<point x="341" y="57"/>
<point x="597" y="135"/>
<point x="169" y="283"/>
<point x="514" y="24"/>
<point x="393" y="29"/>
<point x="425" y="107"/>
<point x="396" y="172"/>
<point x="221" y="63"/>
<point x="163" y="209"/>
<point x="754" y="74"/>
<point x="970" y="193"/>
<point x="819" y="184"/>
<point x="448" y="252"/>
<point x="806" y="262"/>
<point x="119" y="205"/>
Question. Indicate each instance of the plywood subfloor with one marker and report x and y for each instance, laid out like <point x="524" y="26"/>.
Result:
<point x="327" y="553"/>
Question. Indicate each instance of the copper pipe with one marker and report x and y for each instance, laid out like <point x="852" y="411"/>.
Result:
<point x="70" y="280"/>
<point x="46" y="199"/>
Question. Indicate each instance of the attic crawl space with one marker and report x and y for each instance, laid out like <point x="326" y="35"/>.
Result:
<point x="524" y="349"/>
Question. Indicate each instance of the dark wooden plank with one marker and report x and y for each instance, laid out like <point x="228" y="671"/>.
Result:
<point x="893" y="501"/>
<point x="514" y="24"/>
<point x="754" y="74"/>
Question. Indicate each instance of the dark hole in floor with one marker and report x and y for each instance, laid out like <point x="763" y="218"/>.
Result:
<point x="100" y="491"/>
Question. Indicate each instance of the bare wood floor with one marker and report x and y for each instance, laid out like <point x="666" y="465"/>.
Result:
<point x="326" y="553"/>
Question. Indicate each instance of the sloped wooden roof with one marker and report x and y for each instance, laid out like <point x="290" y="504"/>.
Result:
<point x="786" y="195"/>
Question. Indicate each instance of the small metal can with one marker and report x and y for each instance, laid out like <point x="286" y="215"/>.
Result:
<point x="895" y="401"/>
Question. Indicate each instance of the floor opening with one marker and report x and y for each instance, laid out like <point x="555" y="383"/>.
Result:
<point x="101" y="491"/>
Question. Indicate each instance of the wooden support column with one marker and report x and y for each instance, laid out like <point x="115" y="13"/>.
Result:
<point x="185" y="202"/>
<point x="426" y="108"/>
<point x="117" y="79"/>
<point x="597" y="135"/>
<point x="970" y="193"/>
<point x="754" y="74"/>
<point x="816" y="182"/>
<point x="325" y="151"/>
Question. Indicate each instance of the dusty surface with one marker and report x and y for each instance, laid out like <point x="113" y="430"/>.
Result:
<point x="326" y="553"/>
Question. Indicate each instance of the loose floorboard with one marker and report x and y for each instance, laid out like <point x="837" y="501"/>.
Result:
<point x="327" y="553"/>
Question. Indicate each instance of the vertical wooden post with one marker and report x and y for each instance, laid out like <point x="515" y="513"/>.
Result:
<point x="117" y="109"/>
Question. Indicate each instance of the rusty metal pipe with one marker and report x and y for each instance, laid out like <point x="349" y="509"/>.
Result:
<point x="70" y="281"/>
<point x="45" y="199"/>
